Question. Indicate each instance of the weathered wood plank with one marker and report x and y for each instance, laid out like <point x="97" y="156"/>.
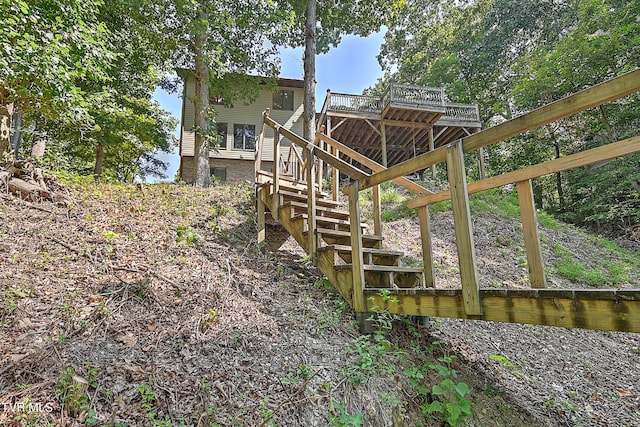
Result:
<point x="312" y="235"/>
<point x="427" y="251"/>
<point x="261" y="214"/>
<point x="584" y="158"/>
<point x="357" y="260"/>
<point x="463" y="229"/>
<point x="275" y="209"/>
<point x="608" y="310"/>
<point x="377" y="212"/>
<point x="530" y="231"/>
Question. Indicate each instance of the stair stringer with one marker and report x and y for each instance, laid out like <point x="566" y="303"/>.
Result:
<point x="341" y="280"/>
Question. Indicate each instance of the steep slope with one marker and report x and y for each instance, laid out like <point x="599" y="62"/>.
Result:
<point x="152" y="305"/>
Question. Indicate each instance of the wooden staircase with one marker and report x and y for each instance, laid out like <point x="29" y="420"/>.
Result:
<point x="382" y="267"/>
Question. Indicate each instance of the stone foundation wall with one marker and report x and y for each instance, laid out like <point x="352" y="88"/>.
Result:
<point x="235" y="170"/>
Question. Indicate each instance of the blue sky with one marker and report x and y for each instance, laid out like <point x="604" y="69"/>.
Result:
<point x="349" y="68"/>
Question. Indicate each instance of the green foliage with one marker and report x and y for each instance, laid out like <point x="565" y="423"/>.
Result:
<point x="47" y="48"/>
<point x="338" y="416"/>
<point x="369" y="351"/>
<point x="72" y="388"/>
<point x="399" y="212"/>
<point x="187" y="234"/>
<point x="148" y="403"/>
<point x="603" y="273"/>
<point x="514" y="57"/>
<point x="390" y="195"/>
<point x="453" y="406"/>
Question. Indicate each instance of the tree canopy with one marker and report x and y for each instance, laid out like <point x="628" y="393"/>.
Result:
<point x="512" y="57"/>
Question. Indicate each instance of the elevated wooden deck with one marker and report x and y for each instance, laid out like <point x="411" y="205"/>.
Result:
<point x="404" y="122"/>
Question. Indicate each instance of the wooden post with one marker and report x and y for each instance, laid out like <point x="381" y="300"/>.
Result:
<point x="258" y="159"/>
<point x="336" y="173"/>
<point x="311" y="207"/>
<point x="357" y="259"/>
<point x="275" y="209"/>
<point x="530" y="229"/>
<point x="431" y="147"/>
<point x="260" y="208"/>
<point x="463" y="229"/>
<point x="377" y="211"/>
<point x="383" y="142"/>
<point x="427" y="251"/>
<point x="481" y="167"/>
<point x="320" y="165"/>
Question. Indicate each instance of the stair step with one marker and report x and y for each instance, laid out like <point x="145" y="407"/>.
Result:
<point x="344" y="237"/>
<point x="320" y="201"/>
<point x="326" y="222"/>
<point x="321" y="211"/>
<point x="370" y="255"/>
<point x="301" y="187"/>
<point x="389" y="276"/>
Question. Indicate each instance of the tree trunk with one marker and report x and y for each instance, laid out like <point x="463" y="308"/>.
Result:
<point x="201" y="101"/>
<point x="16" y="134"/>
<point x="97" y="170"/>
<point x="607" y="125"/>
<point x="310" y="71"/>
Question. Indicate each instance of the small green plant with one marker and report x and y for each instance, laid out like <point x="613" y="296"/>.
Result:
<point x="187" y="234"/>
<point x="390" y="196"/>
<point x="548" y="221"/>
<point x="369" y="350"/>
<point x="504" y="360"/>
<point x="110" y="235"/>
<point x="452" y="406"/>
<point x="72" y="388"/>
<point x="148" y="402"/>
<point x="399" y="212"/>
<point x="339" y="417"/>
<point x="70" y="306"/>
<point x="266" y="413"/>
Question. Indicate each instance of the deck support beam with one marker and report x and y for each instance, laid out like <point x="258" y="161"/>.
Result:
<point x="311" y="208"/>
<point x="431" y="147"/>
<point x="463" y="229"/>
<point x="377" y="211"/>
<point x="275" y="209"/>
<point x="260" y="208"/>
<point x="357" y="258"/>
<point x="599" y="309"/>
<point x="383" y="143"/>
<point x="530" y="229"/>
<point x="427" y="251"/>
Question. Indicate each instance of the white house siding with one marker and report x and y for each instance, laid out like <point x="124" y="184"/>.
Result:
<point x="242" y="114"/>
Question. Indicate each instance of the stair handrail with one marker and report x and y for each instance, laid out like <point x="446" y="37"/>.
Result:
<point x="459" y="189"/>
<point x="371" y="164"/>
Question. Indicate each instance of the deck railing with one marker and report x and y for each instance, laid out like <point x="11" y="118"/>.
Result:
<point x="569" y="308"/>
<point x="462" y="112"/>
<point x="402" y="94"/>
<point x="354" y="103"/>
<point x="421" y="95"/>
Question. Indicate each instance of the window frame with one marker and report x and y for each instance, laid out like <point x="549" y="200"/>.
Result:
<point x="281" y="102"/>
<point x="245" y="127"/>
<point x="224" y="136"/>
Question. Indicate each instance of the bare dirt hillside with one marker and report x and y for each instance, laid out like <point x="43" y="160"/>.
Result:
<point x="152" y="305"/>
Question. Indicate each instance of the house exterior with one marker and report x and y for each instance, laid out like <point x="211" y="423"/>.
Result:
<point x="239" y="128"/>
